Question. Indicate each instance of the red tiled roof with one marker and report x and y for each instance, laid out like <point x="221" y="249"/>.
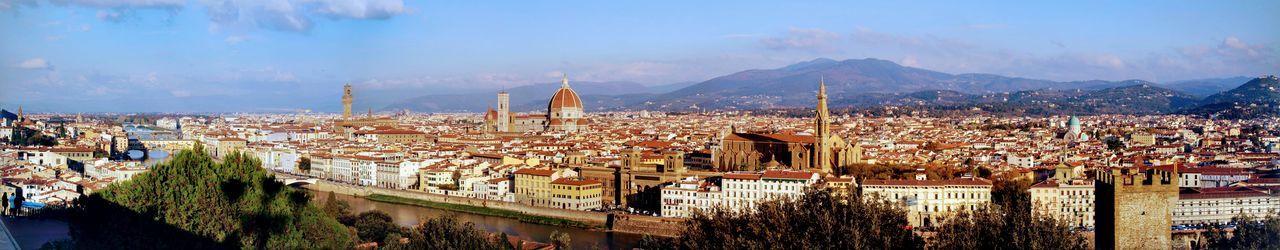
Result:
<point x="574" y="182"/>
<point x="783" y="174"/>
<point x="952" y="182"/>
<point x="742" y="176"/>
<point x="534" y="171"/>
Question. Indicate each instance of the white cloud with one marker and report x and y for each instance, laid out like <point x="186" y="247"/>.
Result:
<point x="803" y="39"/>
<point x="281" y="15"/>
<point x="294" y="15"/>
<point x="180" y="93"/>
<point x="34" y="63"/>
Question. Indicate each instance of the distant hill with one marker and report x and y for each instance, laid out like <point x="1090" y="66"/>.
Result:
<point x="534" y="97"/>
<point x="1205" y="87"/>
<point x="795" y="85"/>
<point x="1262" y="89"/>
<point x="869" y="83"/>
<point x="1259" y="97"/>
<point x="1131" y="99"/>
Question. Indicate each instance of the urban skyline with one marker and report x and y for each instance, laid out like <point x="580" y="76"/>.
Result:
<point x="259" y="52"/>
<point x="385" y="124"/>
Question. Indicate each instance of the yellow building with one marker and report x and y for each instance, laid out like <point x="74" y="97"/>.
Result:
<point x="533" y="186"/>
<point x="576" y="194"/>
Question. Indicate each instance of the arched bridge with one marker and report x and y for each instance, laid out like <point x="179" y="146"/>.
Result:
<point x="170" y="146"/>
<point x="299" y="181"/>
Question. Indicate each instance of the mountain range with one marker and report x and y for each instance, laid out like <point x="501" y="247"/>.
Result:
<point x="871" y="83"/>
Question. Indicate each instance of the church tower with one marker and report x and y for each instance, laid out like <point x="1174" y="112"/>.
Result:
<point x="504" y="112"/>
<point x="346" y="101"/>
<point x="822" y="132"/>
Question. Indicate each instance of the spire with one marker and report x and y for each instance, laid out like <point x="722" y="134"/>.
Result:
<point x="564" y="81"/>
<point x="822" y="87"/>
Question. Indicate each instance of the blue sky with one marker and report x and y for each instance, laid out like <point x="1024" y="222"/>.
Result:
<point x="263" y="55"/>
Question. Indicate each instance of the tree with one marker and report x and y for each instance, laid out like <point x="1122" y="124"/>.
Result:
<point x="304" y="164"/>
<point x="818" y="220"/>
<point x="375" y="226"/>
<point x="650" y="242"/>
<point x="445" y="232"/>
<point x="561" y="240"/>
<point x="996" y="228"/>
<point x="1250" y="233"/>
<point x="1011" y="195"/>
<point x="194" y="202"/>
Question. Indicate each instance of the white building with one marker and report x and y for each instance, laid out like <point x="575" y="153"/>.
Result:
<point x="1219" y="205"/>
<point x="930" y="201"/>
<point x="683" y="198"/>
<point x="1070" y="202"/>
<point x="739" y="191"/>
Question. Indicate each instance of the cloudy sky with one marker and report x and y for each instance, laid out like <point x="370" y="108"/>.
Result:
<point x="264" y="55"/>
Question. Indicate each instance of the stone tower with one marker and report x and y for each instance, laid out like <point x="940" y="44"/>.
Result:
<point x="631" y="159"/>
<point x="822" y="132"/>
<point x="346" y="101"/>
<point x="673" y="162"/>
<point x="1135" y="207"/>
<point x="504" y="112"/>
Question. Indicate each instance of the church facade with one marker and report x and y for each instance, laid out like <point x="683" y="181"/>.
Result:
<point x="564" y="113"/>
<point x="821" y="152"/>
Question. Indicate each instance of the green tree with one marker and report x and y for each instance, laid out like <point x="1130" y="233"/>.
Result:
<point x="304" y="164"/>
<point x="192" y="201"/>
<point x="445" y="232"/>
<point x="1249" y="233"/>
<point x="375" y="226"/>
<point x="561" y="240"/>
<point x="995" y="228"/>
<point x="818" y="220"/>
<point x="1011" y="195"/>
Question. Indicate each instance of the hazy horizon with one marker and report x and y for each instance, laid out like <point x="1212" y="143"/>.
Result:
<point x="228" y="55"/>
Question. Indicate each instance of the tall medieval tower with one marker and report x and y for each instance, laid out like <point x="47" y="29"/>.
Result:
<point x="1135" y="207"/>
<point x="504" y="112"/>
<point x="822" y="132"/>
<point x="346" y="101"/>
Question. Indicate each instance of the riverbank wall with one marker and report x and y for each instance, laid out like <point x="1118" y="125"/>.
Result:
<point x="633" y="224"/>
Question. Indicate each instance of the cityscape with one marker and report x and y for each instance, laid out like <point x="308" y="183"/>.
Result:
<point x="389" y="124"/>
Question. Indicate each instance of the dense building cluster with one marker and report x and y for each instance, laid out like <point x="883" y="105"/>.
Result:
<point x="1087" y="171"/>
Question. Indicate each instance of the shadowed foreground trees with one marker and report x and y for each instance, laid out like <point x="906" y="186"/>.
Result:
<point x="995" y="228"/>
<point x="444" y="232"/>
<point x="1250" y="233"/>
<point x="194" y="202"/>
<point x="818" y="220"/>
<point x="1008" y="223"/>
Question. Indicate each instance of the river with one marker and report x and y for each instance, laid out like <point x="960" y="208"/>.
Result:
<point x="407" y="215"/>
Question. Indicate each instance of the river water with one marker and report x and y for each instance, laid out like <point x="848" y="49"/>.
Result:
<point x="407" y="215"/>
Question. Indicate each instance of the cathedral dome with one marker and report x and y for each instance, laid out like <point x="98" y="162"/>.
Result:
<point x="565" y="98"/>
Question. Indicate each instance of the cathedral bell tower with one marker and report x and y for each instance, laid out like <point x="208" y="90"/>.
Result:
<point x="822" y="131"/>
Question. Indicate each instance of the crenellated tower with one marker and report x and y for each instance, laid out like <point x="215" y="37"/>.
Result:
<point x="346" y="101"/>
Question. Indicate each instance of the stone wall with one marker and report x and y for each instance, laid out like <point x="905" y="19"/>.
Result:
<point x="588" y="217"/>
<point x="640" y="224"/>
